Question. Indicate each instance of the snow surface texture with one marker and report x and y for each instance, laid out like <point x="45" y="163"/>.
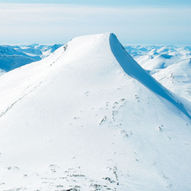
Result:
<point x="76" y="121"/>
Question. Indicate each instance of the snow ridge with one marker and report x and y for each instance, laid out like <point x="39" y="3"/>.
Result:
<point x="76" y="122"/>
<point x="134" y="70"/>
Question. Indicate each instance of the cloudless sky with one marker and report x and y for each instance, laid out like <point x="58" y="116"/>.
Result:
<point x="134" y="21"/>
<point x="108" y="2"/>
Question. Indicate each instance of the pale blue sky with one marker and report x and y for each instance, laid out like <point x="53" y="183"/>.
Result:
<point x="134" y="21"/>
<point x="108" y="2"/>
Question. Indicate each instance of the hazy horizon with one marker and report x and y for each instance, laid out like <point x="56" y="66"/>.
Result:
<point x="145" y="22"/>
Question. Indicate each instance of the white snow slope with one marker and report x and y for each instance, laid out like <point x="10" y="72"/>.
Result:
<point x="89" y="118"/>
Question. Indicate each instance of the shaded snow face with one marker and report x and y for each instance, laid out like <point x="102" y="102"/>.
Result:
<point x="134" y="70"/>
<point x="78" y="121"/>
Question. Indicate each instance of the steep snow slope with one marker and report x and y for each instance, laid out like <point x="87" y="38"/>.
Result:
<point x="134" y="70"/>
<point x="77" y="121"/>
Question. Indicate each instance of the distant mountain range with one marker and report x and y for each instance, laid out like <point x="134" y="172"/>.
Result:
<point x="12" y="57"/>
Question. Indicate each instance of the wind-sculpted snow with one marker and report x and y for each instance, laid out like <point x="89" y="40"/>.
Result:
<point x="75" y="121"/>
<point x="134" y="70"/>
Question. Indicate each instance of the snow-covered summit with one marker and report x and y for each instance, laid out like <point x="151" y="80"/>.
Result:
<point x="88" y="117"/>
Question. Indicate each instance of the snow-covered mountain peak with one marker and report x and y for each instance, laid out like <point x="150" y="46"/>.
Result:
<point x="88" y="117"/>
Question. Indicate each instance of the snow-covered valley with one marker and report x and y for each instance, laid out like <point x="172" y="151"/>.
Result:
<point x="88" y="118"/>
